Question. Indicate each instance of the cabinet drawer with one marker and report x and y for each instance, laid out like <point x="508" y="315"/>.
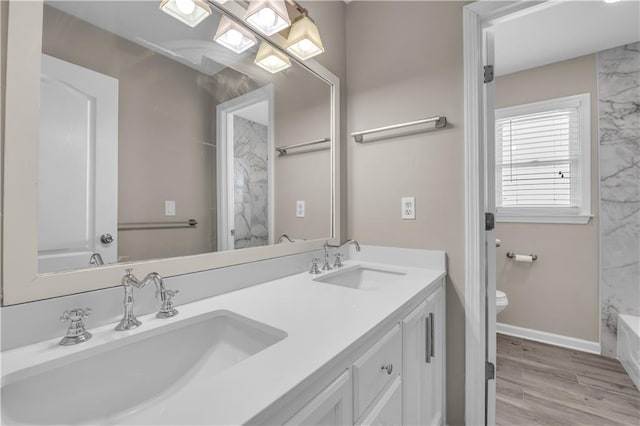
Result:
<point x="374" y="370"/>
<point x="388" y="411"/>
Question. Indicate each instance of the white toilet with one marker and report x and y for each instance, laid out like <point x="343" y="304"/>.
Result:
<point x="501" y="301"/>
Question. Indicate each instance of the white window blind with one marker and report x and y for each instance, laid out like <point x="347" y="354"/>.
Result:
<point x="539" y="158"/>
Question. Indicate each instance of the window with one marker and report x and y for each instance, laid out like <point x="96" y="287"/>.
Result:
<point x="543" y="153"/>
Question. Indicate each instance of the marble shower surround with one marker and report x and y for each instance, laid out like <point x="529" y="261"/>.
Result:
<point x="619" y="161"/>
<point x="251" y="184"/>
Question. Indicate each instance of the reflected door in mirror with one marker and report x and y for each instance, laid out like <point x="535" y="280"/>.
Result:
<point x="77" y="183"/>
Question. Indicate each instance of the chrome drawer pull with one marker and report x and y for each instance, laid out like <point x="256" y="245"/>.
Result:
<point x="427" y="339"/>
<point x="432" y="340"/>
<point x="388" y="368"/>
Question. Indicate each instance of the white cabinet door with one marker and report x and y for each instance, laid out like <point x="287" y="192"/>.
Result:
<point x="434" y="414"/>
<point x="333" y="406"/>
<point x="424" y="362"/>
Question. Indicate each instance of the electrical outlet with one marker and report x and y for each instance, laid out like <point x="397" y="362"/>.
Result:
<point x="408" y="208"/>
<point x="300" y="208"/>
<point x="169" y="208"/>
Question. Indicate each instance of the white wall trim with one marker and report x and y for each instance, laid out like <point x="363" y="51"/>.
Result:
<point x="549" y="338"/>
<point x="474" y="209"/>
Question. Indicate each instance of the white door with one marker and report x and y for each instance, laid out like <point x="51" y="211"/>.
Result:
<point x="78" y="166"/>
<point x="332" y="406"/>
<point x="490" y="241"/>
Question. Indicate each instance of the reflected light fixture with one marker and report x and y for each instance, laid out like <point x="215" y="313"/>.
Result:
<point x="191" y="12"/>
<point x="611" y="1"/>
<point x="233" y="36"/>
<point x="271" y="59"/>
<point x="304" y="39"/>
<point x="269" y="16"/>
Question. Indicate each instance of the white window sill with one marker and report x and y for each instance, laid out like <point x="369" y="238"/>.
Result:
<point x="524" y="218"/>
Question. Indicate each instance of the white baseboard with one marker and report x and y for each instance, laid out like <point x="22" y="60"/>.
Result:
<point x="549" y="338"/>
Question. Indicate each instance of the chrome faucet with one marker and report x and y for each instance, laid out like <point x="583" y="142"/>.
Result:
<point x="338" y="263"/>
<point x="284" y="237"/>
<point x="129" y="320"/>
<point x="96" y="260"/>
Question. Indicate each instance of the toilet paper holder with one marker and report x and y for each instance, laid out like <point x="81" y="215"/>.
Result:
<point x="512" y="255"/>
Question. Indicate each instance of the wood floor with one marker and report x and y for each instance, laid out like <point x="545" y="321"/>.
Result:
<point x="540" y="384"/>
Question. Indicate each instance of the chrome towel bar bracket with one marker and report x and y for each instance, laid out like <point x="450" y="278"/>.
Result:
<point x="440" y="122"/>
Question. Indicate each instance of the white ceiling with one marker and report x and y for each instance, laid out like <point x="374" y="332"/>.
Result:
<point x="566" y="30"/>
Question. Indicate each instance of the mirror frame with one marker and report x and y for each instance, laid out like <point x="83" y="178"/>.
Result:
<point x="20" y="279"/>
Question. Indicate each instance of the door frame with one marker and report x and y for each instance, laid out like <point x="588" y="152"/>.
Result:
<point x="225" y="113"/>
<point x="478" y="18"/>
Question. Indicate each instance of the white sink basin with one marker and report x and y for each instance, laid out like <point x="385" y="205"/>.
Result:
<point x="363" y="277"/>
<point x="117" y="379"/>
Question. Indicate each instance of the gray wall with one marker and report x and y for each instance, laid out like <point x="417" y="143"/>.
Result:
<point x="566" y="273"/>
<point x="619" y="94"/>
<point x="398" y="76"/>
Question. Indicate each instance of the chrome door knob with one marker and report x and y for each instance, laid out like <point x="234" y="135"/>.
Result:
<point x="106" y="238"/>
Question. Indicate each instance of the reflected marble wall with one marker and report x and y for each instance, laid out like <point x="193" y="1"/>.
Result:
<point x="250" y="183"/>
<point x="619" y="122"/>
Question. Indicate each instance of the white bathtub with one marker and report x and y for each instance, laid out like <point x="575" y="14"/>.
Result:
<point x="629" y="346"/>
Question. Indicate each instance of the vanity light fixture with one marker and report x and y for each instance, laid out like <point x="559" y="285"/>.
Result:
<point x="191" y="12"/>
<point x="269" y="16"/>
<point x="304" y="38"/>
<point x="233" y="36"/>
<point x="611" y="1"/>
<point x="271" y="60"/>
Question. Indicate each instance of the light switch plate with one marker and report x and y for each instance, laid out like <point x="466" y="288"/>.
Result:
<point x="169" y="208"/>
<point x="408" y="208"/>
<point x="300" y="208"/>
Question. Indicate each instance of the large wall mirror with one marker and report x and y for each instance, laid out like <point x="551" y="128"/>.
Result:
<point x="156" y="145"/>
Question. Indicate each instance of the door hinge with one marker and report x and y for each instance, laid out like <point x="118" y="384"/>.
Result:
<point x="488" y="73"/>
<point x="489" y="221"/>
<point x="490" y="371"/>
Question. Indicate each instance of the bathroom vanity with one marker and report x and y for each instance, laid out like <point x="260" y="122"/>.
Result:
<point x="363" y="344"/>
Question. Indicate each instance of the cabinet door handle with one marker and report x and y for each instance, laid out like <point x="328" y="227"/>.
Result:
<point x="432" y="340"/>
<point x="427" y="339"/>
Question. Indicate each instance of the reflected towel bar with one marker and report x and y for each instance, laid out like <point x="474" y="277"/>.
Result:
<point x="441" y="122"/>
<point x="282" y="150"/>
<point x="191" y="223"/>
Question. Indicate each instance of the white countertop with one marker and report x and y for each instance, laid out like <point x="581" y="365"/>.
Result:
<point x="321" y="322"/>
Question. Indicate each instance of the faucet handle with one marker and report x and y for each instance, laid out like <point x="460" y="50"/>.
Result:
<point x="76" y="314"/>
<point x="76" y="333"/>
<point x="167" y="310"/>
<point x="314" y="266"/>
<point x="338" y="262"/>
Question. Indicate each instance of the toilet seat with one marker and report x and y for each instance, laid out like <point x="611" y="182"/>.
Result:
<point x="501" y="298"/>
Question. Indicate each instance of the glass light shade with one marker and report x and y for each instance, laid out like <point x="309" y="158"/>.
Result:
<point x="269" y="16"/>
<point x="233" y="36"/>
<point x="190" y="12"/>
<point x="271" y="60"/>
<point x="304" y="39"/>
